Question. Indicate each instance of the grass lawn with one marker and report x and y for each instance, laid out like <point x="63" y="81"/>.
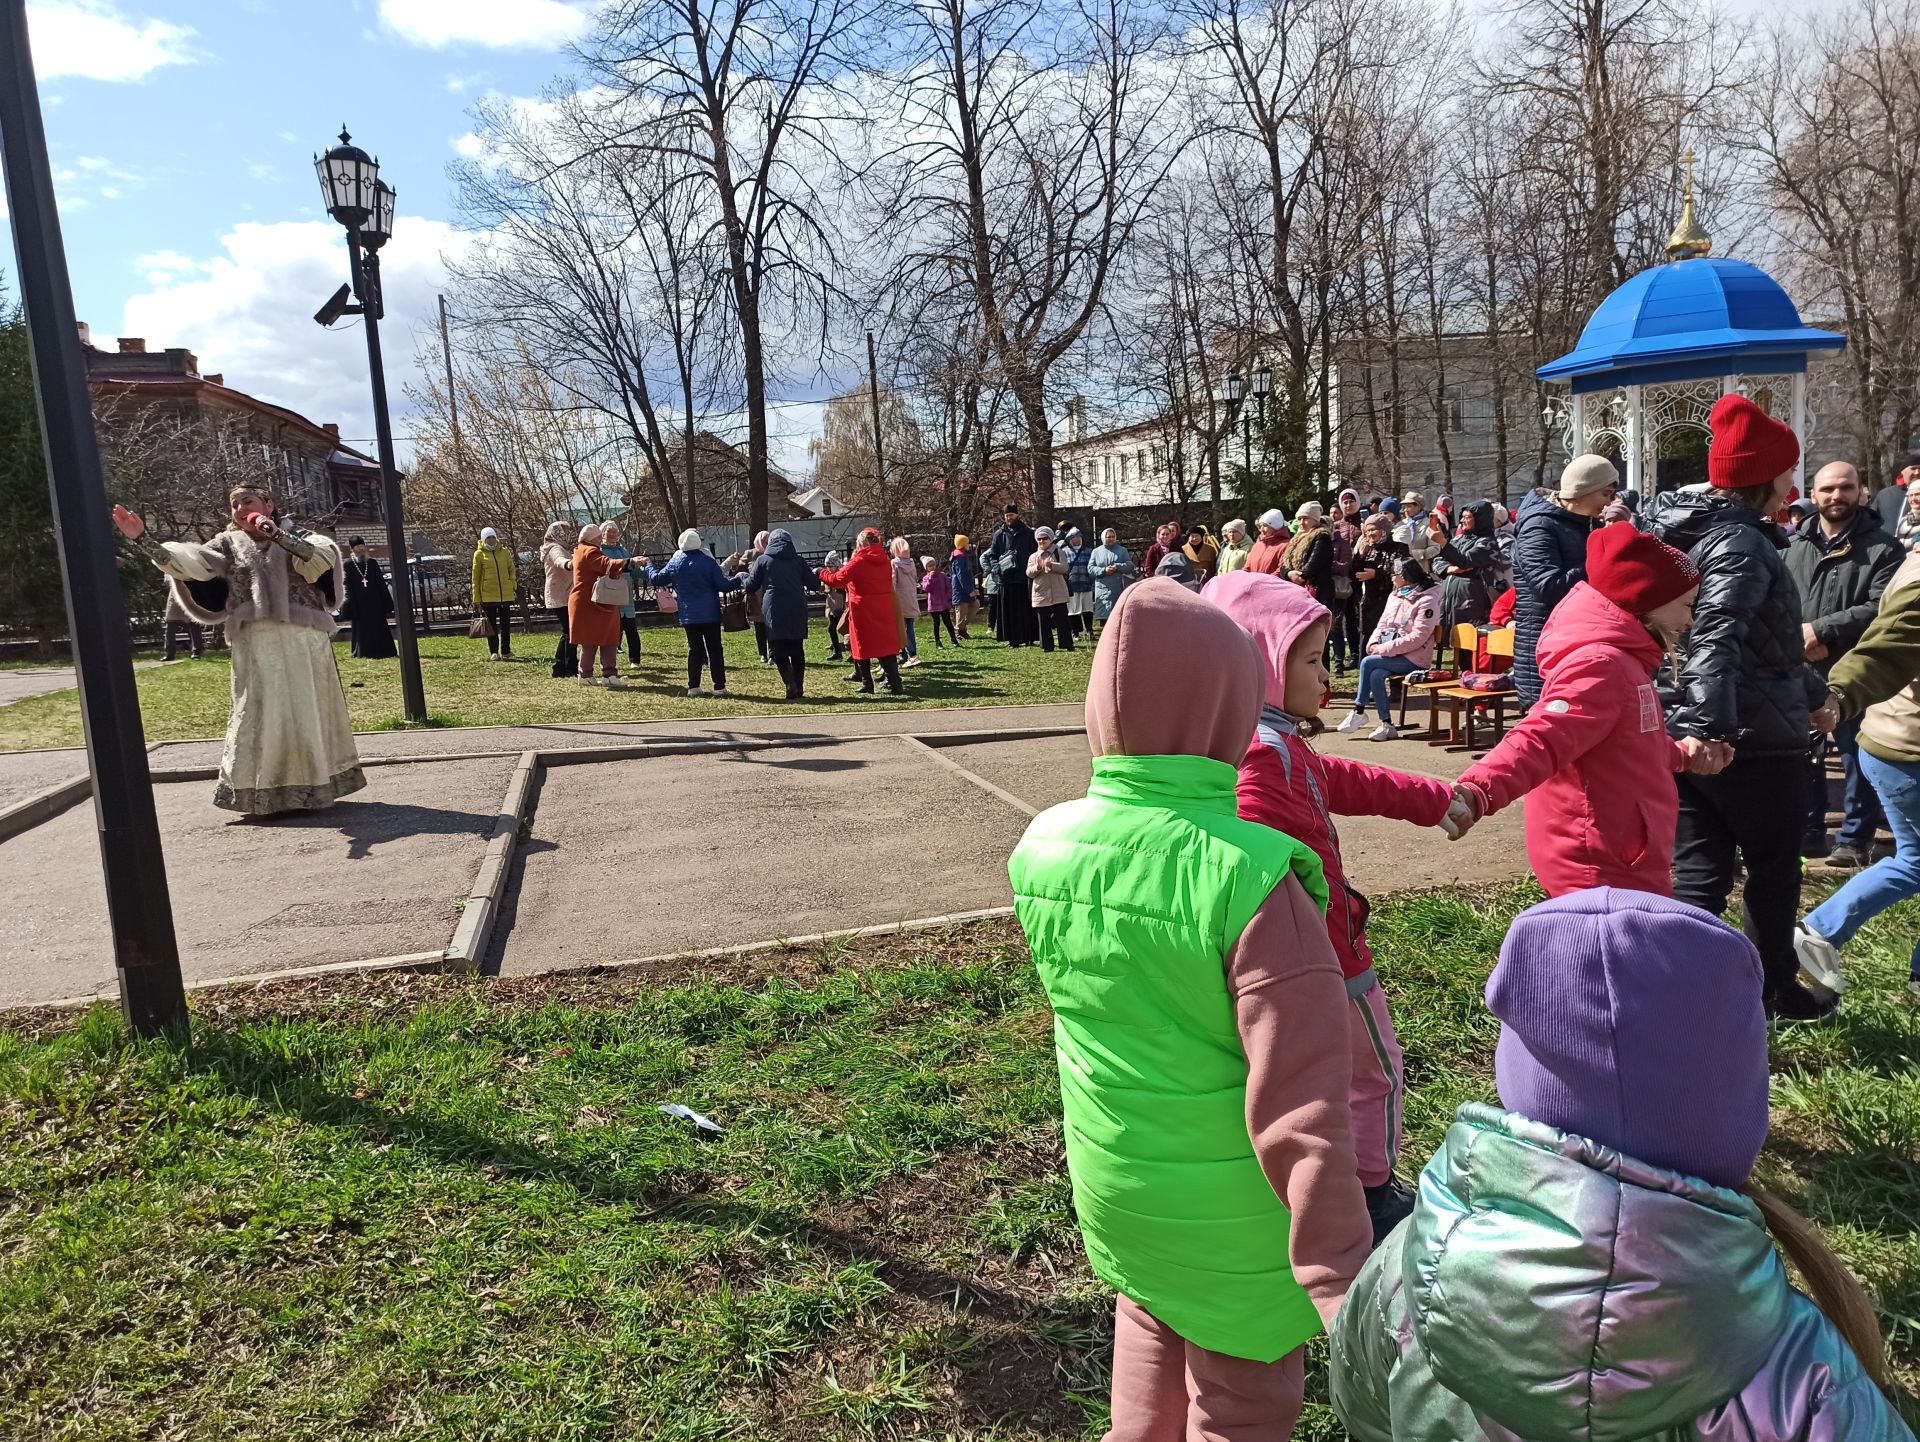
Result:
<point x="436" y="1208"/>
<point x="192" y="698"/>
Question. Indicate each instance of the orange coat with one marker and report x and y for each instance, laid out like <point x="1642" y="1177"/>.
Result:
<point x="588" y="622"/>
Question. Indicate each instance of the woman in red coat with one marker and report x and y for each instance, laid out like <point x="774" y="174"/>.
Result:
<point x="591" y="625"/>
<point x="873" y="612"/>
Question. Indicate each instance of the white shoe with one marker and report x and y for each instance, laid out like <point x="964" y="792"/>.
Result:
<point x="1819" y="960"/>
<point x="614" y="683"/>
<point x="910" y="661"/>
<point x="1385" y="732"/>
<point x="721" y="691"/>
<point x="693" y="690"/>
<point x="588" y="681"/>
<point x="1353" y="723"/>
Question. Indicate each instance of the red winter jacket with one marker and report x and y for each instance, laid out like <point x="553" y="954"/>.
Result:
<point x="873" y="611"/>
<point x="1286" y="784"/>
<point x="1594" y="754"/>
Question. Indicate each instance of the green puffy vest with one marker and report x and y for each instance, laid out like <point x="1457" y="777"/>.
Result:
<point x="1131" y="899"/>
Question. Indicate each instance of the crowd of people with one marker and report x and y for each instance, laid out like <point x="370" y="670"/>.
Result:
<point x="1592" y="1257"/>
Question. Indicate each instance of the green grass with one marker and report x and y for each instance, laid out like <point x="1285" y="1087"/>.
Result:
<point x="437" y="1208"/>
<point x="192" y="698"/>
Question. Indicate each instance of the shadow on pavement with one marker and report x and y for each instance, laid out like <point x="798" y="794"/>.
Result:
<point x="365" y="824"/>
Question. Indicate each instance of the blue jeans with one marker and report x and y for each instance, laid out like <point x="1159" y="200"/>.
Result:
<point x="913" y="641"/>
<point x="1897" y="877"/>
<point x="1374" y="672"/>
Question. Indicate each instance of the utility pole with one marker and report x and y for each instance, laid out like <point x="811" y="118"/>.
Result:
<point x="139" y="909"/>
<point x="879" y="457"/>
<point x="453" y="396"/>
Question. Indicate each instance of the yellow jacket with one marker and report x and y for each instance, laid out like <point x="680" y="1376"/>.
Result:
<point x="495" y="575"/>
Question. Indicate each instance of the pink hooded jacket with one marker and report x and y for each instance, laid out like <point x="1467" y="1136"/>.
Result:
<point x="1286" y="784"/>
<point x="1592" y="757"/>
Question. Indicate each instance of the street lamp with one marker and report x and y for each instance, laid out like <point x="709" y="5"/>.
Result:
<point x="362" y="202"/>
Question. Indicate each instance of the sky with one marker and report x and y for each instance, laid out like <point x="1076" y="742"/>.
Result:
<point x="182" y="135"/>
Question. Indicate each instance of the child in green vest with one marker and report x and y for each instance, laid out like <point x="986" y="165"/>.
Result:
<point x="1201" y="1034"/>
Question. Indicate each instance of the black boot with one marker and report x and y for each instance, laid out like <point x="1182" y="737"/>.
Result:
<point x="1794" y="1002"/>
<point x="1388" y="1205"/>
<point x="890" y="667"/>
<point x="797" y="679"/>
<point x="863" y="673"/>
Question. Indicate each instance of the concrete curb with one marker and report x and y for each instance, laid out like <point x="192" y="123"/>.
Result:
<point x="475" y="931"/>
<point x="43" y="806"/>
<point x="420" y="961"/>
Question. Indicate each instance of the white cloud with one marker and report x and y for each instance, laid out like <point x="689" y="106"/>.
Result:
<point x="93" y="40"/>
<point x="501" y="24"/>
<point x="248" y="313"/>
<point x="470" y="146"/>
<point x="461" y="84"/>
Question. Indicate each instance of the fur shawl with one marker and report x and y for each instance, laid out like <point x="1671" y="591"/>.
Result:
<point x="234" y="579"/>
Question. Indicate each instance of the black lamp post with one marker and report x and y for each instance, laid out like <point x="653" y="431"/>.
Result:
<point x="139" y="909"/>
<point x="362" y="202"/>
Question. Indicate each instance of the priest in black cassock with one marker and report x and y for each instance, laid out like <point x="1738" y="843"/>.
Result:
<point x="368" y="603"/>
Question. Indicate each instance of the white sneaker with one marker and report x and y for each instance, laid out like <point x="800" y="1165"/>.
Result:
<point x="721" y="691"/>
<point x="614" y="683"/>
<point x="1819" y="960"/>
<point x="1385" y="732"/>
<point x="1353" y="722"/>
<point x="588" y="681"/>
<point x="693" y="690"/>
<point x="910" y="661"/>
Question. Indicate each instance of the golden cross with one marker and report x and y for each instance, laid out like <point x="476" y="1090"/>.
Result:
<point x="1687" y="159"/>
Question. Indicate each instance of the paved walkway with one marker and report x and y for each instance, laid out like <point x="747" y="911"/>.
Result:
<point x="18" y="683"/>
<point x="860" y="823"/>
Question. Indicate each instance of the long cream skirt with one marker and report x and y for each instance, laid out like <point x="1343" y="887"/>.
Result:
<point x="289" y="744"/>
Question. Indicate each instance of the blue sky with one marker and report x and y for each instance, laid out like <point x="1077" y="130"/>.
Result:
<point x="182" y="134"/>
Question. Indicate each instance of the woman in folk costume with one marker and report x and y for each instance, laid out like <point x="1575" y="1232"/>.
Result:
<point x="289" y="743"/>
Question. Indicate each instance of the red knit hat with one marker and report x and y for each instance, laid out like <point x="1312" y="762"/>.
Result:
<point x="1750" y="448"/>
<point x="1634" y="571"/>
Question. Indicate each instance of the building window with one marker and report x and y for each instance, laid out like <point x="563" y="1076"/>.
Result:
<point x="826" y="505"/>
<point x="1453" y="417"/>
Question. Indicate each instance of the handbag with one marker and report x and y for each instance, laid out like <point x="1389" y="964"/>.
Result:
<point x="612" y="590"/>
<point x="733" y="611"/>
<point x="480" y="628"/>
<point x="1342" y="588"/>
<point x="665" y="601"/>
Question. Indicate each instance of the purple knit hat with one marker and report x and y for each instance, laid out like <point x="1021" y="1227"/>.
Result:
<point x="1635" y="1020"/>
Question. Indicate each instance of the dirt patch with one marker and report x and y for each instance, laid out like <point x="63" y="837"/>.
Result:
<point x="347" y="995"/>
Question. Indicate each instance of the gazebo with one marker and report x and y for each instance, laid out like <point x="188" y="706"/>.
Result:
<point x="1658" y="352"/>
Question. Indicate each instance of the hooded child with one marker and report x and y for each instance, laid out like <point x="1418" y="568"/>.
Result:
<point x="1590" y="1259"/>
<point x="1286" y="784"/>
<point x="1593" y="755"/>
<point x="1198" y="1022"/>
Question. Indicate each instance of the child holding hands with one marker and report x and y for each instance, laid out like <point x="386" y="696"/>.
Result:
<point x="1286" y="784"/>
<point x="1200" y="1036"/>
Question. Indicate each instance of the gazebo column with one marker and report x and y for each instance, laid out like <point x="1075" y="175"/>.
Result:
<point x="1800" y="429"/>
<point x="1636" y="441"/>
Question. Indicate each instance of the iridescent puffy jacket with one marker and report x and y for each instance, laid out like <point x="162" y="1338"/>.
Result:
<point x="1547" y="1287"/>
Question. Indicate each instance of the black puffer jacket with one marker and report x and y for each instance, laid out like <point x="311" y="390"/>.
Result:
<point x="1743" y="673"/>
<point x="1549" y="560"/>
<point x="1841" y="584"/>
<point x="1467" y="591"/>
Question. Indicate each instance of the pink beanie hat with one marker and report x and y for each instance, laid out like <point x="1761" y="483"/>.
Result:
<point x="1272" y="611"/>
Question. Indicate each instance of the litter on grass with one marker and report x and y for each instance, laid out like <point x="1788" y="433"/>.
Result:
<point x="706" y="1125"/>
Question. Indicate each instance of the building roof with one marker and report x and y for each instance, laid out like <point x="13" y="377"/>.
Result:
<point x="1704" y="316"/>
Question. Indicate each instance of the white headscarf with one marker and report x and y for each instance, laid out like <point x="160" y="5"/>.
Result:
<point x="589" y="535"/>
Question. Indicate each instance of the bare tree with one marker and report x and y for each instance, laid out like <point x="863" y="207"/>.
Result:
<point x="1836" y="138"/>
<point x="597" y="271"/>
<point x="732" y="102"/>
<point x="1037" y="134"/>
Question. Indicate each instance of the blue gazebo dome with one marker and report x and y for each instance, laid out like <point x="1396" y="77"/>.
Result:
<point x="1692" y="318"/>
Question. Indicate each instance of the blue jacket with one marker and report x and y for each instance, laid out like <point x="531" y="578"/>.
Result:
<point x="1079" y="579"/>
<point x="697" y="582"/>
<point x="960" y="568"/>
<point x="782" y="580"/>
<point x="1549" y="560"/>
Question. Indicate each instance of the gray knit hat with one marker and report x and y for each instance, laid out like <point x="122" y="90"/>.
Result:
<point x="1586" y="474"/>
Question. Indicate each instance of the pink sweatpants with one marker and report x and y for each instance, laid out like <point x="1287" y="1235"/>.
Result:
<point x="1379" y="1084"/>
<point x="1165" y="1389"/>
